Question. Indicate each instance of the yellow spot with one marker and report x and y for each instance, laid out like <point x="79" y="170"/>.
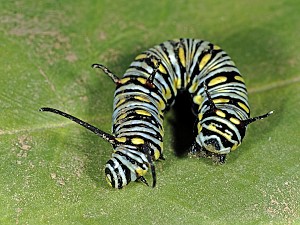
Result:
<point x="175" y="82"/>
<point x="204" y="61"/>
<point x="213" y="68"/>
<point x="200" y="116"/>
<point x="137" y="141"/>
<point x="142" y="112"/>
<point x="216" y="47"/>
<point x="220" y="100"/>
<point x="120" y="102"/>
<point x="162" y="69"/>
<point x="244" y="107"/>
<point x="161" y="145"/>
<point x="193" y="87"/>
<point x="124" y="80"/>
<point x="199" y="127"/>
<point x="108" y="181"/>
<point x="217" y="80"/>
<point x="187" y="78"/>
<point x="141" y="56"/>
<point x="156" y="154"/>
<point x="198" y="99"/>
<point x="239" y="78"/>
<point x="235" y="120"/>
<point x="122" y="116"/>
<point x="214" y="129"/>
<point x="168" y="93"/>
<point x="181" y="56"/>
<point x="220" y="113"/>
<point x="161" y="105"/>
<point x="121" y="139"/>
<point x="140" y="171"/>
<point x="234" y="147"/>
<point x="141" y="80"/>
<point x="155" y="62"/>
<point x="141" y="98"/>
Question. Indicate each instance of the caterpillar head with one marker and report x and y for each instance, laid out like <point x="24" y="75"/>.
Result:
<point x="117" y="175"/>
<point x="127" y="163"/>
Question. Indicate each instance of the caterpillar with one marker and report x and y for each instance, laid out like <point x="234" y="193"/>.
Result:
<point x="148" y="89"/>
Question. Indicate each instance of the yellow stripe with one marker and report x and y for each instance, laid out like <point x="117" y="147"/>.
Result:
<point x="108" y="181"/>
<point x="239" y="78"/>
<point x="193" y="87"/>
<point x="155" y="62"/>
<point x="204" y="61"/>
<point x="141" y="80"/>
<point x="244" y="107"/>
<point x="162" y="69"/>
<point x="122" y="116"/>
<point x="140" y="171"/>
<point x="161" y="144"/>
<point x="168" y="93"/>
<point x="181" y="56"/>
<point x="216" y="47"/>
<point x="177" y="83"/>
<point x="220" y="100"/>
<point x="198" y="99"/>
<point x="217" y="80"/>
<point x="161" y="105"/>
<point x="120" y="102"/>
<point x="142" y="112"/>
<point x="213" y="128"/>
<point x="234" y="147"/>
<point x="156" y="154"/>
<point x="141" y="56"/>
<point x="213" y="68"/>
<point x="188" y="78"/>
<point x="124" y="80"/>
<point x="199" y="127"/>
<point x="220" y="113"/>
<point x="200" y="116"/>
<point x="235" y="120"/>
<point x="121" y="139"/>
<point x="141" y="98"/>
<point x="137" y="141"/>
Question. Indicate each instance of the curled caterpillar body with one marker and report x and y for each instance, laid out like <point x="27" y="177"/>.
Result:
<point x="149" y="87"/>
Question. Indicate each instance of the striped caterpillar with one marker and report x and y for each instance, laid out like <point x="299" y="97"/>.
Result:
<point x="148" y="89"/>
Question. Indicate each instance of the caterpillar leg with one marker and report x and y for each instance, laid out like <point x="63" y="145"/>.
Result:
<point x="143" y="180"/>
<point x="146" y="149"/>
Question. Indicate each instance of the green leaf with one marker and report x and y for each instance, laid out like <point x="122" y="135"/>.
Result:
<point x="51" y="169"/>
